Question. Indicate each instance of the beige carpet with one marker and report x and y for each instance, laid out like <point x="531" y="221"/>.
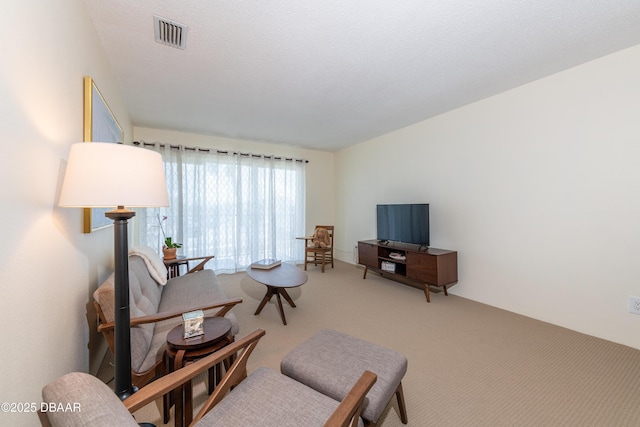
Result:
<point x="469" y="364"/>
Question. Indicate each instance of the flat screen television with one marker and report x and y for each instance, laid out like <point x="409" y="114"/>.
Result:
<point x="407" y="223"/>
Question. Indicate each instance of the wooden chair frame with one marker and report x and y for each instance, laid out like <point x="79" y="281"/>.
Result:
<point x="345" y="415"/>
<point x="322" y="256"/>
<point x="141" y="379"/>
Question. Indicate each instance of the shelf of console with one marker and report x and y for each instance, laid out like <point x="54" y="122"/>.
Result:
<point x="421" y="267"/>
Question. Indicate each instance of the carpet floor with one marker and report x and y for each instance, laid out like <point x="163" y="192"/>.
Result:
<point x="469" y="364"/>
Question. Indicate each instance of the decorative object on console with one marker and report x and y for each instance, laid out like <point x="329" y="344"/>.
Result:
<point x="388" y="266"/>
<point x="116" y="175"/>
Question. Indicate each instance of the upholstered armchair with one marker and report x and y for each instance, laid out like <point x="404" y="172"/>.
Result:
<point x="156" y="306"/>
<point x="263" y="398"/>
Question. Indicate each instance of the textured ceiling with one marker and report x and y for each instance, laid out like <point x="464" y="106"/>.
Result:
<point x="328" y="74"/>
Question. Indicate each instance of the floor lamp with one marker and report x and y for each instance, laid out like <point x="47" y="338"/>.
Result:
<point x="115" y="175"/>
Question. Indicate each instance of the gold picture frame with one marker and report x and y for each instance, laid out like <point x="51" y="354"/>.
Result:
<point x="99" y="125"/>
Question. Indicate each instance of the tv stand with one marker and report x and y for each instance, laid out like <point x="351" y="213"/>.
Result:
<point x="421" y="267"/>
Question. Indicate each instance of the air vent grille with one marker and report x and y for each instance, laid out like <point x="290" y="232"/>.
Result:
<point x="170" y="33"/>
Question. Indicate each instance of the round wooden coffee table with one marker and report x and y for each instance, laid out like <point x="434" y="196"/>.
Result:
<point x="180" y="350"/>
<point x="277" y="280"/>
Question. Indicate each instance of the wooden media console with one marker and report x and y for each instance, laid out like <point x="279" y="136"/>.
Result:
<point x="410" y="264"/>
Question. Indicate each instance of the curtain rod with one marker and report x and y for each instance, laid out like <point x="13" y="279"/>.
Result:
<point x="235" y="153"/>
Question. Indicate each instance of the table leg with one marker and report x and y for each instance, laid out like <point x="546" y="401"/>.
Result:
<point x="265" y="300"/>
<point x="180" y="392"/>
<point x="168" y="398"/>
<point x="280" y="308"/>
<point x="188" y="403"/>
<point x="215" y="374"/>
<point x="286" y="296"/>
<point x="271" y="291"/>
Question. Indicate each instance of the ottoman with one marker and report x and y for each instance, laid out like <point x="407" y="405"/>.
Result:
<point x="331" y="362"/>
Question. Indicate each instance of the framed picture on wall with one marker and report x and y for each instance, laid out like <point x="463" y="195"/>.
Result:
<point x="100" y="125"/>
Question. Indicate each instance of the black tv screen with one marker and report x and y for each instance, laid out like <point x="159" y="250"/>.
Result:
<point x="408" y="223"/>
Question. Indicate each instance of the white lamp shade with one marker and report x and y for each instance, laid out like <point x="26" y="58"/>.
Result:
<point x="107" y="175"/>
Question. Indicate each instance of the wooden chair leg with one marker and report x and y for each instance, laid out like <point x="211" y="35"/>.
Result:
<point x="213" y="375"/>
<point x="167" y="399"/>
<point x="166" y="407"/>
<point x="401" y="405"/>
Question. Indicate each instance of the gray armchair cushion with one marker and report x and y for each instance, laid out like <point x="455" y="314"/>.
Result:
<point x="148" y="297"/>
<point x="178" y="295"/>
<point x="98" y="405"/>
<point x="269" y="399"/>
<point x="331" y="362"/>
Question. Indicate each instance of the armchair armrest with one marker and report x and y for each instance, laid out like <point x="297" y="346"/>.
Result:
<point x="226" y="305"/>
<point x="351" y="406"/>
<point x="199" y="267"/>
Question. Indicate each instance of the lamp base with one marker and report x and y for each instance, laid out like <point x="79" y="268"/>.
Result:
<point x="122" y="316"/>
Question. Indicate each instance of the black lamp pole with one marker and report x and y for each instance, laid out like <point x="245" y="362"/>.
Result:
<point x="122" y="316"/>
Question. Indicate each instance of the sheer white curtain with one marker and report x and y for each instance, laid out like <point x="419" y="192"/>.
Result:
<point x="239" y="208"/>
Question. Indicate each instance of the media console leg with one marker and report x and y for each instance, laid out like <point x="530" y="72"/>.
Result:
<point x="426" y="292"/>
<point x="445" y="290"/>
<point x="365" y="272"/>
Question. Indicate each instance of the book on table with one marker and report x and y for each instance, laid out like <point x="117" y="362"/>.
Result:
<point x="266" y="264"/>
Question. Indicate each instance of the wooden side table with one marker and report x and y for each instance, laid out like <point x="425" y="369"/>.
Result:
<point x="173" y="265"/>
<point x="180" y="351"/>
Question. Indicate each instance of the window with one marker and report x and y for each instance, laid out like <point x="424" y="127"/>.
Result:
<point x="239" y="208"/>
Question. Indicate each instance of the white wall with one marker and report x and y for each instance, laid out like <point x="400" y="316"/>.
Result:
<point x="538" y="189"/>
<point x="320" y="206"/>
<point x="48" y="268"/>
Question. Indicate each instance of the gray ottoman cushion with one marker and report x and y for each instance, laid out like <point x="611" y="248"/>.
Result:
<point x="331" y="362"/>
<point x="269" y="399"/>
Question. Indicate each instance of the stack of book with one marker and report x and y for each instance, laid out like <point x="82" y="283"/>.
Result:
<point x="266" y="264"/>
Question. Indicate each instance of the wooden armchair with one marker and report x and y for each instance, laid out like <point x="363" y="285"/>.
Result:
<point x="155" y="310"/>
<point x="264" y="398"/>
<point x="141" y="379"/>
<point x="322" y="255"/>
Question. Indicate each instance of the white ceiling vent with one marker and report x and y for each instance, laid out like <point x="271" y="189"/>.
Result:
<point x="170" y="32"/>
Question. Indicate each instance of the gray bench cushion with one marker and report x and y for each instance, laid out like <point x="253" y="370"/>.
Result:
<point x="269" y="399"/>
<point x="98" y="404"/>
<point x="331" y="362"/>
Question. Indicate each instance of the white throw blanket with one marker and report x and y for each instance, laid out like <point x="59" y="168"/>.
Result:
<point x="154" y="263"/>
